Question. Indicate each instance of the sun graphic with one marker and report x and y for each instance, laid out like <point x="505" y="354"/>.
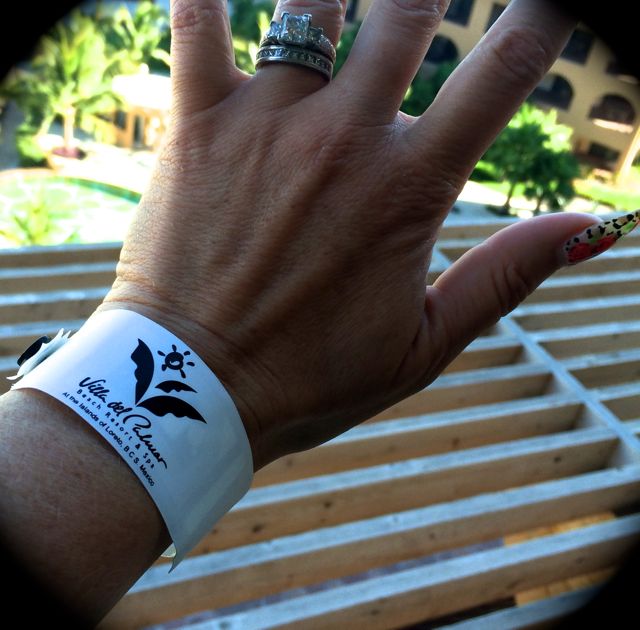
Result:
<point x="175" y="360"/>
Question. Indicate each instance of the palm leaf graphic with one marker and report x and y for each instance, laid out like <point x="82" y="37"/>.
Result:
<point x="162" y="405"/>
<point x="143" y="359"/>
<point x="174" y="386"/>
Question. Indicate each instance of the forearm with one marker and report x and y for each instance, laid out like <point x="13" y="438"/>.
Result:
<point x="70" y="509"/>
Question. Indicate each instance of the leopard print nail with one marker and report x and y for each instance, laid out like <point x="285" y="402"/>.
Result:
<point x="599" y="238"/>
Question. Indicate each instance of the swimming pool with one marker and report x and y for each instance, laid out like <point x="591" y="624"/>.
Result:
<point x="85" y="210"/>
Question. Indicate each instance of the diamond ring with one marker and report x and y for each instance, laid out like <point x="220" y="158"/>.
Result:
<point x="296" y="30"/>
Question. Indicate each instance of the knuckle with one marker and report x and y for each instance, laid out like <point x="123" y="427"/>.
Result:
<point x="332" y="6"/>
<point x="429" y="12"/>
<point x="523" y="55"/>
<point x="439" y="183"/>
<point x="191" y="18"/>
<point x="510" y="286"/>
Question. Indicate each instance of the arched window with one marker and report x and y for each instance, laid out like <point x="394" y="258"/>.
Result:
<point x="496" y="12"/>
<point x="553" y="90"/>
<point x="459" y="11"/>
<point x="352" y="10"/>
<point x="442" y="49"/>
<point x="578" y="47"/>
<point x="614" y="108"/>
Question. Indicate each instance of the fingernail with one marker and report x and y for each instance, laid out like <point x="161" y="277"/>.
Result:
<point x="599" y="237"/>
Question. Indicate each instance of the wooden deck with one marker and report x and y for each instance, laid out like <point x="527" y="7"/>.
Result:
<point x="497" y="498"/>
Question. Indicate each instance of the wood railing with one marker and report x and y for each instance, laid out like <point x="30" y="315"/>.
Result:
<point x="507" y="486"/>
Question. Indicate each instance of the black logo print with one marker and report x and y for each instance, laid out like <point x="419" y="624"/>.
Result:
<point x="175" y="360"/>
<point x="162" y="405"/>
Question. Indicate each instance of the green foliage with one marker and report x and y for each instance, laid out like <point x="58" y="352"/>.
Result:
<point x="37" y="221"/>
<point x="29" y="151"/>
<point x="535" y="151"/>
<point x="73" y="66"/>
<point x="551" y="179"/>
<point x="422" y="91"/>
<point x="345" y="45"/>
<point x="138" y="39"/>
<point x="69" y="74"/>
<point x="246" y="49"/>
<point x="244" y="18"/>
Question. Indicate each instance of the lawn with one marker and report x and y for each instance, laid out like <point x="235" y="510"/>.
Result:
<point x="620" y="197"/>
<point x="617" y="198"/>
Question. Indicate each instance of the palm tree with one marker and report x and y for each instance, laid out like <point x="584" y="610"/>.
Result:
<point x="69" y="76"/>
<point x="136" y="39"/>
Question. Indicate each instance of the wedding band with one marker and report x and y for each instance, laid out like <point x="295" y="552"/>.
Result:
<point x="296" y="55"/>
<point x="296" y="30"/>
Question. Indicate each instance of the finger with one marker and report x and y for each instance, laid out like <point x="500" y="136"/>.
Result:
<point x="388" y="51"/>
<point x="486" y="89"/>
<point x="203" y="69"/>
<point x="299" y="80"/>
<point x="491" y="279"/>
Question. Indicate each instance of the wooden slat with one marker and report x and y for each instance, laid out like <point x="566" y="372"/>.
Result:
<point x="569" y="584"/>
<point x="579" y="312"/>
<point x="57" y="277"/>
<point x="625" y="407"/>
<point x="396" y="439"/>
<point x="581" y="340"/>
<point x="471" y="389"/>
<point x="546" y="614"/>
<point x="14" y="338"/>
<point x="586" y="286"/>
<point x="55" y="305"/>
<point x="413" y="595"/>
<point x="245" y="573"/>
<point x="606" y="369"/>
<point x="615" y="260"/>
<point x="504" y="352"/>
<point x="59" y="255"/>
<point x="365" y="493"/>
<point x="453" y="229"/>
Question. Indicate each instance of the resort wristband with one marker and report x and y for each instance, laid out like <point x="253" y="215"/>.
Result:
<point x="164" y="412"/>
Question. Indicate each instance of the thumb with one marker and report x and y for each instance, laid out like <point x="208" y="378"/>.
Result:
<point x="491" y="279"/>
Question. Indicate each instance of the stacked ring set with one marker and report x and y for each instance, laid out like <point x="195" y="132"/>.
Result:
<point x="294" y="40"/>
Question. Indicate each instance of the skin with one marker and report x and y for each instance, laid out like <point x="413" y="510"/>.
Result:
<point x="285" y="237"/>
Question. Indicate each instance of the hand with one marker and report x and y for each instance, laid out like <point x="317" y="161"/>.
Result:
<point x="287" y="231"/>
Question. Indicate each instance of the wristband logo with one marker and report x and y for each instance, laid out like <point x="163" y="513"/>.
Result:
<point x="161" y="405"/>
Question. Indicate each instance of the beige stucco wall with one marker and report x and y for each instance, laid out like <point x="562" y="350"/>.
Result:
<point x="589" y="81"/>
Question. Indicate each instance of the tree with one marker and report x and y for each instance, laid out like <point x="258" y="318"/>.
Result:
<point x="521" y="154"/>
<point x="246" y="49"/>
<point x="423" y="90"/>
<point x="551" y="179"/>
<point x="135" y="40"/>
<point x="244" y="18"/>
<point x="70" y="75"/>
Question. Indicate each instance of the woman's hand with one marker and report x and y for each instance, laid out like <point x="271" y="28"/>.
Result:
<point x="287" y="231"/>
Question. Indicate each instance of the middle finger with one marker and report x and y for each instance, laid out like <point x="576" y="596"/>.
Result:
<point x="387" y="53"/>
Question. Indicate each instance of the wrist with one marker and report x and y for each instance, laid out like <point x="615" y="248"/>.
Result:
<point x="160" y="407"/>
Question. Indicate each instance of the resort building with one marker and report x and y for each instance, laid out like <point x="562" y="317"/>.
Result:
<point x="586" y="85"/>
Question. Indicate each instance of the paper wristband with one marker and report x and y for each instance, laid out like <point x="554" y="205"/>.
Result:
<point x="162" y="409"/>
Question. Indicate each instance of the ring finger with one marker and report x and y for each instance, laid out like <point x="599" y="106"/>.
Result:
<point x="301" y="80"/>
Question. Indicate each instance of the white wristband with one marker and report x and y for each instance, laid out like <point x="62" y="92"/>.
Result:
<point x="162" y="409"/>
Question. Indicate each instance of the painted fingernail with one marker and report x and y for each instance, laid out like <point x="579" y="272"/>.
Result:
<point x="599" y="237"/>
